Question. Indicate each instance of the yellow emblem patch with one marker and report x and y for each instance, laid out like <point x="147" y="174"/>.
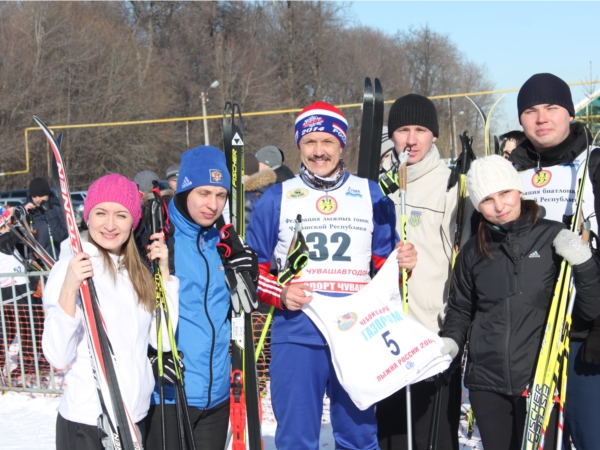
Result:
<point x="297" y="193"/>
<point x="327" y="205"/>
<point x="541" y="178"/>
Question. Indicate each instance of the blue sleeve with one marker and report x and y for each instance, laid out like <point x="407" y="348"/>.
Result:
<point x="263" y="229"/>
<point x="385" y="236"/>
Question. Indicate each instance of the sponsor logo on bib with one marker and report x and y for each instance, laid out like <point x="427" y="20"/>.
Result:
<point x="395" y="297"/>
<point x="346" y="321"/>
<point x="353" y="193"/>
<point x="541" y="178"/>
<point x="297" y="193"/>
<point x="327" y="205"/>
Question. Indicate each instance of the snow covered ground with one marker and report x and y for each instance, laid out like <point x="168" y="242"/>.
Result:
<point x="27" y="422"/>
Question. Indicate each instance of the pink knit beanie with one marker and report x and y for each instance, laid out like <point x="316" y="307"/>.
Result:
<point x="117" y="189"/>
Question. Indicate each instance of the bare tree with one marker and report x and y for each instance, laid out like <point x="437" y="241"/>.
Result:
<point x="98" y="62"/>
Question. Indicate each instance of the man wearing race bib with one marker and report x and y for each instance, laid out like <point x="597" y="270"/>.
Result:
<point x="551" y="162"/>
<point x="349" y="227"/>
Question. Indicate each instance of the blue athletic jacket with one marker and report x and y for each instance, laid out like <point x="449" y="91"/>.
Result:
<point x="262" y="236"/>
<point x="204" y="330"/>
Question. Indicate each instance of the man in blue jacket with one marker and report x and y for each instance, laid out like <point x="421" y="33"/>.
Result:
<point x="350" y="228"/>
<point x="204" y="331"/>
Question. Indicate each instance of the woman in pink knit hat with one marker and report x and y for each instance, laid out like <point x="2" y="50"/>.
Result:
<point x="126" y="294"/>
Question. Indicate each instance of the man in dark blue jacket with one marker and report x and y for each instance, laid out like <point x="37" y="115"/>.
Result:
<point x="46" y="217"/>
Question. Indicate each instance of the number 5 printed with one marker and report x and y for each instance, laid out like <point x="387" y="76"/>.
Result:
<point x="395" y="348"/>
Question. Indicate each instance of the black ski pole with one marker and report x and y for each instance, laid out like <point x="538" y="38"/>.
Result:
<point x="156" y="227"/>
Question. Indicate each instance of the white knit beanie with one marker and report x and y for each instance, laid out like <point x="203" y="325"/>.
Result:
<point x="490" y="175"/>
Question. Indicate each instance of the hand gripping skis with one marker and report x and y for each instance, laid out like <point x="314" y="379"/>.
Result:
<point x="544" y="388"/>
<point x="244" y="397"/>
<point x="158" y="211"/>
<point x="18" y="226"/>
<point x="115" y="423"/>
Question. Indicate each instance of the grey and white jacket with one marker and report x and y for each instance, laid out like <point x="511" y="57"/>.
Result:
<point x="431" y="221"/>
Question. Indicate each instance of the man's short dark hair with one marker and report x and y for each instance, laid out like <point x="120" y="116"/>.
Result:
<point x="515" y="135"/>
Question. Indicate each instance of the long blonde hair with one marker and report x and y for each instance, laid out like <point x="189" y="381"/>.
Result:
<point x="141" y="279"/>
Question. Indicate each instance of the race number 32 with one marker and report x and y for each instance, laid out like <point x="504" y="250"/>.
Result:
<point x="320" y="250"/>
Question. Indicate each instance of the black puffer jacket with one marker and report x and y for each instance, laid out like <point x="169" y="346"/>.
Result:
<point x="500" y="304"/>
<point x="525" y="157"/>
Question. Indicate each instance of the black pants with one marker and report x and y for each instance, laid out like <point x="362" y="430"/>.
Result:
<point x="78" y="436"/>
<point x="501" y="420"/>
<point x="209" y="427"/>
<point x="391" y="416"/>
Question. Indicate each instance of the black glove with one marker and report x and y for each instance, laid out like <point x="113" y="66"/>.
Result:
<point x="235" y="254"/>
<point x="297" y="260"/>
<point x="241" y="269"/>
<point x="169" y="373"/>
<point x="45" y="206"/>
<point x="591" y="345"/>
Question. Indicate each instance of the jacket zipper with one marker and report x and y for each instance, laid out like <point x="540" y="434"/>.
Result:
<point x="212" y="326"/>
<point x="516" y="262"/>
<point x="506" y="346"/>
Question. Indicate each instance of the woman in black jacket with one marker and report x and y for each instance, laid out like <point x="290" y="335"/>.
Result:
<point x="502" y="288"/>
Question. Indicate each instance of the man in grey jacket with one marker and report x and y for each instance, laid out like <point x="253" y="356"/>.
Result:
<point x="431" y="217"/>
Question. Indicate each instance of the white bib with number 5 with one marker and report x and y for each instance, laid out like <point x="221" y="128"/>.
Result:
<point x="376" y="349"/>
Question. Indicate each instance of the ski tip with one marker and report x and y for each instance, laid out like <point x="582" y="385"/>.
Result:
<point x="38" y="121"/>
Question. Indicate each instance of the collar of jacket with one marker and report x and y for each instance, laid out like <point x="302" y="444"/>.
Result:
<point x="184" y="223"/>
<point x="423" y="167"/>
<point x="516" y="228"/>
<point x="94" y="253"/>
<point x="344" y="178"/>
<point x="526" y="157"/>
<point x="260" y="180"/>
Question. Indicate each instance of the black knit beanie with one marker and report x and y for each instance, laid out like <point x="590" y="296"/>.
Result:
<point x="38" y="187"/>
<point x="542" y="89"/>
<point x="413" y="109"/>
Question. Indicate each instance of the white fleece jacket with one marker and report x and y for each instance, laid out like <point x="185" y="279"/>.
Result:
<point x="431" y="219"/>
<point x="130" y="329"/>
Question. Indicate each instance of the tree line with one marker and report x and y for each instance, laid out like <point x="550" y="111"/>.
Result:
<point x="95" y="62"/>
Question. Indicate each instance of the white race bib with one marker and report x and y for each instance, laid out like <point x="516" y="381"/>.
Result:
<point x="376" y="349"/>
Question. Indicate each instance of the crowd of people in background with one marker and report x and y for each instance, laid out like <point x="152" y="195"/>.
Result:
<point x="493" y="300"/>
